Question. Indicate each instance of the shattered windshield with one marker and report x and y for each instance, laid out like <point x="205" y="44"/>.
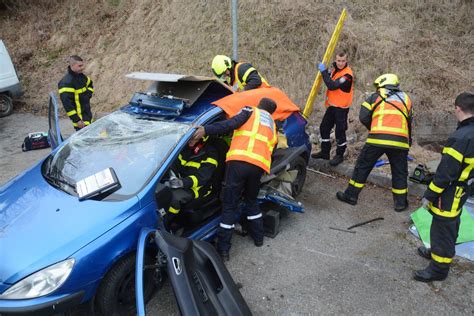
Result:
<point x="134" y="147"/>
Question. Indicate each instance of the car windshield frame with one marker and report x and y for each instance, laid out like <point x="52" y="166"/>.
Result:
<point x="134" y="146"/>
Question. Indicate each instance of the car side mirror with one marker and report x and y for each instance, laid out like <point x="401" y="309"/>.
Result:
<point x="163" y="196"/>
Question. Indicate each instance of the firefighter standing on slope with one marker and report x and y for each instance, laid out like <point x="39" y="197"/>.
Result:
<point x="448" y="191"/>
<point x="340" y="89"/>
<point x="75" y="90"/>
<point x="248" y="158"/>
<point x="238" y="75"/>
<point x="387" y="115"/>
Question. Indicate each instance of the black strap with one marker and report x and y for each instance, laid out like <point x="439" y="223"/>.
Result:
<point x="385" y="100"/>
<point x="366" y="222"/>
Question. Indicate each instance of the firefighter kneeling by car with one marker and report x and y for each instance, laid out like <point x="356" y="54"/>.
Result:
<point x="193" y="176"/>
<point x="248" y="158"/>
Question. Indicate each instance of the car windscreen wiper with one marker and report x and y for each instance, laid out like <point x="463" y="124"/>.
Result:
<point x="60" y="182"/>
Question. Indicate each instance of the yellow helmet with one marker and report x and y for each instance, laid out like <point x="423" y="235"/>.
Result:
<point x="220" y="64"/>
<point x="386" y="80"/>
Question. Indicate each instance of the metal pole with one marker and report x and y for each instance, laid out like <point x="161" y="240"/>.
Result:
<point x="234" y="29"/>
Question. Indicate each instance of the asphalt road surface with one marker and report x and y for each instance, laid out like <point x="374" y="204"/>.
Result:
<point x="309" y="268"/>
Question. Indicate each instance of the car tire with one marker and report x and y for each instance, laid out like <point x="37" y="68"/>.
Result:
<point x="298" y="164"/>
<point x="6" y="105"/>
<point x="116" y="293"/>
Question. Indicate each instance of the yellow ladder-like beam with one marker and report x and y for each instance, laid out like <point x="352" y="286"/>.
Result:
<point x="308" y="109"/>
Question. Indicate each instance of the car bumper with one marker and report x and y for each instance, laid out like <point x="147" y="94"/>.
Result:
<point x="40" y="306"/>
<point x="15" y="90"/>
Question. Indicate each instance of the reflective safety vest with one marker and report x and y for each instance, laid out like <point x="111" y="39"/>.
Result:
<point x="339" y="98"/>
<point x="238" y="85"/>
<point x="391" y="117"/>
<point x="253" y="142"/>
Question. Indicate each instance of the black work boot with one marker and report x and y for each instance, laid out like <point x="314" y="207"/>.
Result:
<point x="258" y="243"/>
<point x="224" y="255"/>
<point x="344" y="197"/>
<point x="400" y="202"/>
<point x="401" y="208"/>
<point x="336" y="160"/>
<point x="320" y="155"/>
<point x="424" y="252"/>
<point x="428" y="275"/>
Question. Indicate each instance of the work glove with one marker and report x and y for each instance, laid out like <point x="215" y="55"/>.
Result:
<point x="322" y="67"/>
<point x="425" y="203"/>
<point x="176" y="183"/>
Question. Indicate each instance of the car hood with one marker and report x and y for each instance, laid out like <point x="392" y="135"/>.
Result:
<point x="41" y="225"/>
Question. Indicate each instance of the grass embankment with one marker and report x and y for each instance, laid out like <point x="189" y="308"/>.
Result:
<point x="427" y="43"/>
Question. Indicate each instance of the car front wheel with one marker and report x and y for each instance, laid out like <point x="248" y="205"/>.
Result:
<point x="116" y="293"/>
<point x="6" y="105"/>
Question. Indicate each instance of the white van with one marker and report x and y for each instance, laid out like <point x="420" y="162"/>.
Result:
<point x="9" y="84"/>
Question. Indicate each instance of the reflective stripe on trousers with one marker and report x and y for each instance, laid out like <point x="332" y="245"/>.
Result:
<point x="250" y="218"/>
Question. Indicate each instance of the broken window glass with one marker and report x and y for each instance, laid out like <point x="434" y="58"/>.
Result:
<point x="134" y="147"/>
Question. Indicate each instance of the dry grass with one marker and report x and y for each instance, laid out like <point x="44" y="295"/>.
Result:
<point x="427" y="43"/>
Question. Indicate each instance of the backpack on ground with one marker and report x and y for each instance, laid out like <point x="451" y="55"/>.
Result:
<point x="38" y="140"/>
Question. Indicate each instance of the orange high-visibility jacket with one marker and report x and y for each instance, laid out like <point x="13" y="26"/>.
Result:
<point x="339" y="98"/>
<point x="253" y="142"/>
<point x="234" y="102"/>
<point x="391" y="116"/>
<point x="240" y="83"/>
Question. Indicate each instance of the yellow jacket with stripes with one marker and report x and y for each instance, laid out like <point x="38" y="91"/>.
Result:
<point x="246" y="77"/>
<point x="387" y="115"/>
<point x="451" y="184"/>
<point x="196" y="167"/>
<point x="75" y="91"/>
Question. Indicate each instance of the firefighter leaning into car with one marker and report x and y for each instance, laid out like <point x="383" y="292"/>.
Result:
<point x="248" y="158"/>
<point x="448" y="191"/>
<point x="238" y="75"/>
<point x="75" y="90"/>
<point x="340" y="89"/>
<point x="387" y="114"/>
<point x="193" y="175"/>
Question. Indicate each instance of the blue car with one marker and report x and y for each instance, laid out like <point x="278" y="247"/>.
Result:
<point x="70" y="225"/>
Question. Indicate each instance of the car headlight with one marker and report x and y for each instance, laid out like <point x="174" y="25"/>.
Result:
<point x="40" y="283"/>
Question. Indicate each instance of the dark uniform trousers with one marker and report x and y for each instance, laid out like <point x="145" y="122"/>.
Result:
<point x="444" y="230"/>
<point x="240" y="177"/>
<point x="181" y="197"/>
<point x="443" y="235"/>
<point x="334" y="116"/>
<point x="365" y="163"/>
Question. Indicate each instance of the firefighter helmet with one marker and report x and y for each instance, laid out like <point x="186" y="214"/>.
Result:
<point x="220" y="64"/>
<point x="386" y="80"/>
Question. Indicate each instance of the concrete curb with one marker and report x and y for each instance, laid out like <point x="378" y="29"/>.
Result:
<point x="376" y="177"/>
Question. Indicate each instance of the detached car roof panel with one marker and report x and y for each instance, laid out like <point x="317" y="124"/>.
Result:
<point x="195" y="92"/>
<point x="156" y="76"/>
